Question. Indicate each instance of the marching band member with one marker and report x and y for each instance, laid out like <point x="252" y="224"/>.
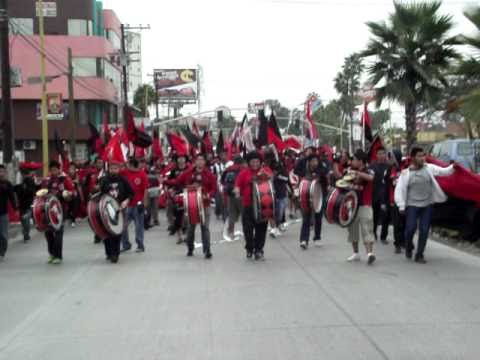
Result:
<point x="362" y="225"/>
<point x="199" y="176"/>
<point x="92" y="181"/>
<point x="26" y="194"/>
<point x="138" y="180"/>
<point x="218" y="169"/>
<point x="174" y="210"/>
<point x="315" y="170"/>
<point x="255" y="233"/>
<point x="280" y="185"/>
<point x="118" y="187"/>
<point x="233" y="204"/>
<point x="61" y="186"/>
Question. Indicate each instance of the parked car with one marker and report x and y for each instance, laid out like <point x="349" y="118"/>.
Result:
<point x="463" y="151"/>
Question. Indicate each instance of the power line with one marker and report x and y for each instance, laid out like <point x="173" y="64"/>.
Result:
<point x="352" y="3"/>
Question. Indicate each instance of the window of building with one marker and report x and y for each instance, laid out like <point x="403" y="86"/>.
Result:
<point x="86" y="67"/>
<point x="22" y="26"/>
<point x="113" y="74"/>
<point x="80" y="27"/>
<point x="114" y="39"/>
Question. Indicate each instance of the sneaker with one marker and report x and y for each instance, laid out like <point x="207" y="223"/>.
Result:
<point x="26" y="238"/>
<point x="371" y="258"/>
<point x="127" y="248"/>
<point x="140" y="250"/>
<point x="249" y="254"/>
<point x="190" y="253"/>
<point x="420" y="259"/>
<point x="384" y="241"/>
<point x="317" y="243"/>
<point x="208" y="255"/>
<point x="227" y="237"/>
<point x="97" y="240"/>
<point x="398" y="250"/>
<point x="259" y="256"/>
<point x="408" y="254"/>
<point x="114" y="259"/>
<point x="73" y="224"/>
<point x="50" y="259"/>
<point x="303" y="245"/>
<point x="273" y="234"/>
<point x="354" y="257"/>
<point x="56" y="261"/>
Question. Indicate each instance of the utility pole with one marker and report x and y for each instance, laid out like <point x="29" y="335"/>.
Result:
<point x="41" y="30"/>
<point x="7" y="123"/>
<point x="71" y="107"/>
<point x="146" y="101"/>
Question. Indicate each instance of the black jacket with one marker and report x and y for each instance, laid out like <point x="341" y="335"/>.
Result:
<point x="6" y="195"/>
<point x="26" y="194"/>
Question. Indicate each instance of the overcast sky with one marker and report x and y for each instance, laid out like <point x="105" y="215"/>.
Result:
<point x="252" y="50"/>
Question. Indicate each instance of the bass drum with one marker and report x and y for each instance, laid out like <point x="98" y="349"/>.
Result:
<point x="193" y="203"/>
<point x="263" y="201"/>
<point x="342" y="207"/>
<point x="47" y="213"/>
<point x="311" y="196"/>
<point x="105" y="216"/>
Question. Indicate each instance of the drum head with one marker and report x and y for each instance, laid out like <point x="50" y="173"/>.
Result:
<point x="347" y="209"/>
<point x="193" y="206"/>
<point x="263" y="201"/>
<point x="111" y="215"/>
<point x="38" y="213"/>
<point x="316" y="196"/>
<point x="54" y="213"/>
<point x="201" y="209"/>
<point x="94" y="218"/>
<point x="330" y="208"/>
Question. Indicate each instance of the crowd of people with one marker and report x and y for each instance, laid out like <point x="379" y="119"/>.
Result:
<point x="391" y="191"/>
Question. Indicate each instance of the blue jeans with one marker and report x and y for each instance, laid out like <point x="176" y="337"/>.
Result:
<point x="280" y="206"/>
<point x="307" y="219"/>
<point x="417" y="217"/>
<point x="137" y="215"/>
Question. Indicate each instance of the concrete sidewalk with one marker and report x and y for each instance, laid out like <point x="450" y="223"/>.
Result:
<point x="296" y="305"/>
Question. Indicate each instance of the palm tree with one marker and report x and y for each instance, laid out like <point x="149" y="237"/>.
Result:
<point x="413" y="51"/>
<point x="470" y="68"/>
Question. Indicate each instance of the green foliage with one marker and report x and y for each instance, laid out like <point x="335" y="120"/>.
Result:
<point x="347" y="83"/>
<point x="144" y="95"/>
<point x="413" y="52"/>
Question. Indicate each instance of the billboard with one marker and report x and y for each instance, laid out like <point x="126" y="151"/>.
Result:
<point x="176" y="85"/>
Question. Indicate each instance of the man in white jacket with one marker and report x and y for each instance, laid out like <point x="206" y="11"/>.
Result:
<point x="416" y="191"/>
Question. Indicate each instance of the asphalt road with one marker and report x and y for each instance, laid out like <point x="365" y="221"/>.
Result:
<point x="296" y="305"/>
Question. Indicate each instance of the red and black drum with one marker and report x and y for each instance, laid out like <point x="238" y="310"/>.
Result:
<point x="342" y="207"/>
<point x="263" y="201"/>
<point x="105" y="216"/>
<point x="193" y="203"/>
<point x="311" y="196"/>
<point x="47" y="213"/>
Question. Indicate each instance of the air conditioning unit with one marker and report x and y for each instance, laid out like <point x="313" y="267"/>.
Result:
<point x="29" y="145"/>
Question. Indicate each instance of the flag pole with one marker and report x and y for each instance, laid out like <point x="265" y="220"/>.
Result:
<point x="363" y="125"/>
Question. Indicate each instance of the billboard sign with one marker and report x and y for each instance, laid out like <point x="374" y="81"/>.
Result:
<point x="167" y="78"/>
<point x="176" y="85"/>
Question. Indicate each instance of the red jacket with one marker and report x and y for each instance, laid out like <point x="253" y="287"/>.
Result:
<point x="205" y="179"/>
<point x="244" y="183"/>
<point x="138" y="181"/>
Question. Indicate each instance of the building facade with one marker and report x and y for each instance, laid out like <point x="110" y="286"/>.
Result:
<point x="93" y="35"/>
<point x="135" y="74"/>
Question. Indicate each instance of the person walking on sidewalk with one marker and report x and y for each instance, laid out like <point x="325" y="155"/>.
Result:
<point x="417" y="190"/>
<point x="6" y="195"/>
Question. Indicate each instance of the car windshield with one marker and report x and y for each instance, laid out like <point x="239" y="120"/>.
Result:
<point x="465" y="149"/>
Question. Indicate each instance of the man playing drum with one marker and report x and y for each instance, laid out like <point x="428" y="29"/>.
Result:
<point x="255" y="232"/>
<point x="119" y="188"/>
<point x="199" y="176"/>
<point x="313" y="171"/>
<point x="362" y="225"/>
<point x="59" y="185"/>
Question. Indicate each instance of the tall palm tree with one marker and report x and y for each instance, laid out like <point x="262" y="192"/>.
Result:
<point x="413" y="51"/>
<point x="470" y="104"/>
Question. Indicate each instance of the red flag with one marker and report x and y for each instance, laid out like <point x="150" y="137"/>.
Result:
<point x="131" y="129"/>
<point x="313" y="132"/>
<point x="274" y="139"/>
<point x="462" y="184"/>
<point x="293" y="143"/>
<point x="178" y="144"/>
<point x="366" y="123"/>
<point x="157" y="152"/>
<point x="113" y="150"/>
<point x="207" y="146"/>
<point x="107" y="133"/>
